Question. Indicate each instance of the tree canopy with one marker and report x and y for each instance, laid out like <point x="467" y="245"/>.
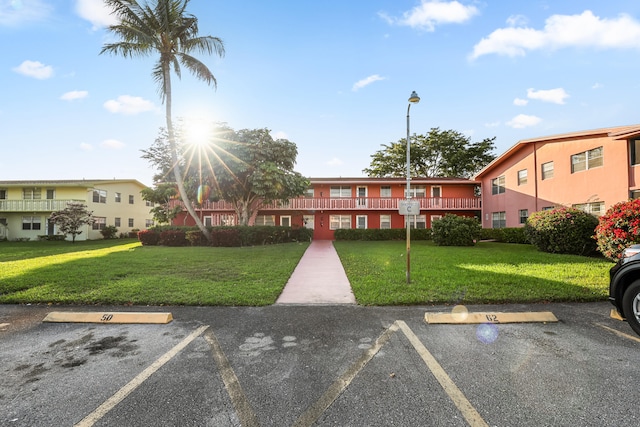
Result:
<point x="439" y="154"/>
<point x="247" y="168"/>
<point x="70" y="219"/>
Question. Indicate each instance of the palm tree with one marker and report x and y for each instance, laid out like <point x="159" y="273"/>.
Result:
<point x="164" y="27"/>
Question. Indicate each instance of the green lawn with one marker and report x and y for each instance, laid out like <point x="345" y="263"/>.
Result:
<point x="485" y="273"/>
<point x="124" y="272"/>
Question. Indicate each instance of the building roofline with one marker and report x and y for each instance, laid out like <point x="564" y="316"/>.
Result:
<point x="617" y="132"/>
<point x="376" y="180"/>
<point x="68" y="182"/>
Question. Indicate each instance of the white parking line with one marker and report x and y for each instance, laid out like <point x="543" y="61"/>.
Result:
<point x="119" y="396"/>
<point x="468" y="411"/>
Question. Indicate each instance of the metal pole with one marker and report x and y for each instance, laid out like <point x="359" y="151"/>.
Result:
<point x="407" y="217"/>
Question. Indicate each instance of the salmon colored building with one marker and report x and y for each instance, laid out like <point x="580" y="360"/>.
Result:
<point x="333" y="203"/>
<point x="590" y="170"/>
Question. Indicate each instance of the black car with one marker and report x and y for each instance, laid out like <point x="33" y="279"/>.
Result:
<point x="624" y="286"/>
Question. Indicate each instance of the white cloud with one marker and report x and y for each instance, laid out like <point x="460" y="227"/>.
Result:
<point x="113" y="144"/>
<point x="34" y="69"/>
<point x="279" y="135"/>
<point x="517" y="21"/>
<point x="15" y="13"/>
<point x="127" y="104"/>
<point x="431" y="13"/>
<point x="96" y="12"/>
<point x="562" y="31"/>
<point x="334" y="162"/>
<point x="74" y="94"/>
<point x="86" y="147"/>
<point x="597" y="86"/>
<point x="522" y="121"/>
<point x="520" y="102"/>
<point x="555" y="96"/>
<point x="366" y="81"/>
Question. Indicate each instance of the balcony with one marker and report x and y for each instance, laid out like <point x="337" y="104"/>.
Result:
<point x="358" y="203"/>
<point x="35" y="205"/>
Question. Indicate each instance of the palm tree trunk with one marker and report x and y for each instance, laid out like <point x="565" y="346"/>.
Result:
<point x="177" y="171"/>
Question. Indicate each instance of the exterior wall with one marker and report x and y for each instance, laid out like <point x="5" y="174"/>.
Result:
<point x="609" y="183"/>
<point x="315" y="210"/>
<point x="13" y="207"/>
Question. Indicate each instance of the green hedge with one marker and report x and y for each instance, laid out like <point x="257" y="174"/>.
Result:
<point x="226" y="236"/>
<point x="377" y="234"/>
<point x="505" y="235"/>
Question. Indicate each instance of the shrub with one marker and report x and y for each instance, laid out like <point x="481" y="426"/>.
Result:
<point x="149" y="237"/>
<point x="454" y="230"/>
<point x="563" y="230"/>
<point x="109" y="232"/>
<point x="618" y="228"/>
<point x="196" y="238"/>
<point x="173" y="238"/>
<point x="226" y="237"/>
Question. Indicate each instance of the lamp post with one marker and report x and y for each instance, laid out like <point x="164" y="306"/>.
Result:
<point x="413" y="99"/>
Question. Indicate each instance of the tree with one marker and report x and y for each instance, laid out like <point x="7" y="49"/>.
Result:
<point x="161" y="196"/>
<point x="249" y="168"/>
<point x="70" y="219"/>
<point x="438" y="154"/>
<point x="164" y="27"/>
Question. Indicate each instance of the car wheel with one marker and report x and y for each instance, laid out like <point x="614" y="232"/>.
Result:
<point x="631" y="306"/>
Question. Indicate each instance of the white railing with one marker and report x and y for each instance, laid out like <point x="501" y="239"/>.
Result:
<point x="357" y="203"/>
<point x="35" y="205"/>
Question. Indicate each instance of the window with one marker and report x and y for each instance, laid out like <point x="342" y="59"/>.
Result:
<point x="31" y="193"/>
<point x="435" y="218"/>
<point x="385" y="191"/>
<point x="339" y="221"/>
<point x="340" y="191"/>
<point x="634" y="150"/>
<point x="130" y="222"/>
<point x="417" y="191"/>
<point x="3" y="221"/>
<point x="498" y="219"/>
<point x="436" y="191"/>
<point x="547" y="170"/>
<point x="99" y="223"/>
<point x="31" y="223"/>
<point x="265" y="220"/>
<point x="308" y="193"/>
<point x="548" y="208"/>
<point x="3" y="194"/>
<point x="116" y="222"/>
<point x="635" y="194"/>
<point x="522" y="177"/>
<point x="586" y="160"/>
<point x="385" y="222"/>
<point x="148" y="203"/>
<point x="118" y="197"/>
<point x="416" y="221"/>
<point x="285" y="221"/>
<point x="498" y="185"/>
<point x="524" y="214"/>
<point x="149" y="223"/>
<point x="51" y="194"/>
<point x="130" y="199"/>
<point x="594" y="208"/>
<point x="361" y="221"/>
<point x="99" y="196"/>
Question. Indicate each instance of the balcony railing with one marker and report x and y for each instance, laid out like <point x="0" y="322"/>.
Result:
<point x="35" y="205"/>
<point x="358" y="203"/>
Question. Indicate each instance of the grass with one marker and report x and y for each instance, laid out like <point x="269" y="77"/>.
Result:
<point x="486" y="273"/>
<point x="124" y="272"/>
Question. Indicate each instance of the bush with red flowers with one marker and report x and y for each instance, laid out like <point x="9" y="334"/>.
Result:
<point x="619" y="228"/>
<point x="563" y="231"/>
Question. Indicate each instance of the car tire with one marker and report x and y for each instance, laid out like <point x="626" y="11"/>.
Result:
<point x="631" y="306"/>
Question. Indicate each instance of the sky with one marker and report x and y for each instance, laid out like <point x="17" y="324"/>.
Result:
<point x="332" y="76"/>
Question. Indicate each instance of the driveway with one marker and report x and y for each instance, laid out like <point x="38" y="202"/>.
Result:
<point x="318" y="365"/>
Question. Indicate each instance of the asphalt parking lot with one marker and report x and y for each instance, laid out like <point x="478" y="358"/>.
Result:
<point x="318" y="365"/>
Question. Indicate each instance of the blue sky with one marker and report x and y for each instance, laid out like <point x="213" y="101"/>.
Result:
<point x="332" y="76"/>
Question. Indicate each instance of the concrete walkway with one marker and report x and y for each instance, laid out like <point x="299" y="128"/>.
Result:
<point x="319" y="278"/>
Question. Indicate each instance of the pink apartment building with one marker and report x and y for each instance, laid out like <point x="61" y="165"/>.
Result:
<point x="591" y="170"/>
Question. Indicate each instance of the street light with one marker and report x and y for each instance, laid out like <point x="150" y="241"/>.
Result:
<point x="413" y="99"/>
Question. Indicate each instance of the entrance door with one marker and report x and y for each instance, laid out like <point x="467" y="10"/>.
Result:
<point x="308" y="221"/>
<point x="362" y="197"/>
